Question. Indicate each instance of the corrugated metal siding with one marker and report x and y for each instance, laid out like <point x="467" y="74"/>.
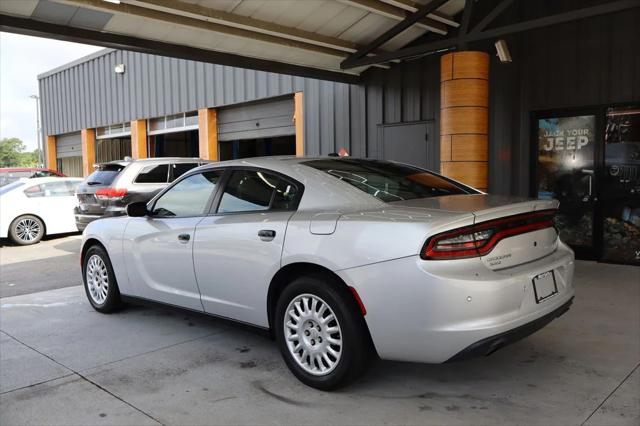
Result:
<point x="91" y="94"/>
<point x="69" y="145"/>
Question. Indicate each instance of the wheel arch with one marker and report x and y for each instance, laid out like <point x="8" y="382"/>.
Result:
<point x="88" y="243"/>
<point x="289" y="272"/>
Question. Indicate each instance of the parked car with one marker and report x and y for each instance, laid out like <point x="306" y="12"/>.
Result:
<point x="340" y="259"/>
<point x="113" y="185"/>
<point x="12" y="174"/>
<point x="33" y="208"/>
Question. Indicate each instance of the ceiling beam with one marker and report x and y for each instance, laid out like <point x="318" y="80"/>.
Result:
<point x="500" y="7"/>
<point x="35" y="28"/>
<point x="384" y="9"/>
<point x="393" y="31"/>
<point x="453" y="42"/>
<point x="412" y="6"/>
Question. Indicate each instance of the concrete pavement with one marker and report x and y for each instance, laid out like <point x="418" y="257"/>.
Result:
<point x="63" y="363"/>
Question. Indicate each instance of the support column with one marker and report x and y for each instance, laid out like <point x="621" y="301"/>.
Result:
<point x="51" y="152"/>
<point x="298" y="119"/>
<point x="88" y="141"/>
<point x="139" y="139"/>
<point x="464" y="117"/>
<point x="208" y="134"/>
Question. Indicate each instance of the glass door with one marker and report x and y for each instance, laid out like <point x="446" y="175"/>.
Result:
<point x="566" y="170"/>
<point x="620" y="186"/>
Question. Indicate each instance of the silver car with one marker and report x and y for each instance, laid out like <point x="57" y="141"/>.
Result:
<point x="340" y="259"/>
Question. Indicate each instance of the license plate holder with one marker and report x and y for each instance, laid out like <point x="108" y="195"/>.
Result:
<point x="544" y="286"/>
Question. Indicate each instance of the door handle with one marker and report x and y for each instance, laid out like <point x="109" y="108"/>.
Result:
<point x="184" y="238"/>
<point x="267" y="234"/>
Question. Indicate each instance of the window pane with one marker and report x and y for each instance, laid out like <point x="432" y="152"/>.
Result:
<point x="56" y="189"/>
<point x="188" y="197"/>
<point x="387" y="181"/>
<point x="104" y="174"/>
<point x="153" y="174"/>
<point x="156" y="124"/>
<point x="247" y="191"/>
<point x="179" y="169"/>
<point x="285" y="195"/>
<point x="191" y="118"/>
<point x="34" y="191"/>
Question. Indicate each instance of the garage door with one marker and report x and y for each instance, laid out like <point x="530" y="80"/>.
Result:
<point x="68" y="145"/>
<point x="256" y="120"/>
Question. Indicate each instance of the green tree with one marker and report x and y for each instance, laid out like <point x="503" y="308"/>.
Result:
<point x="11" y="150"/>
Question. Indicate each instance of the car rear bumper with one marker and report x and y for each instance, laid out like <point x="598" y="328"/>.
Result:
<point x="489" y="345"/>
<point x="83" y="219"/>
<point x="432" y="311"/>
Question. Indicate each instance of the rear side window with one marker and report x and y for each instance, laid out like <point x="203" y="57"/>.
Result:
<point x="153" y="174"/>
<point x="52" y="189"/>
<point x="249" y="190"/>
<point x="105" y="174"/>
<point x="387" y="181"/>
<point x="178" y="169"/>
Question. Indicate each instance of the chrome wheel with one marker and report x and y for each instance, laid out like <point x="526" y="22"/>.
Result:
<point x="28" y="230"/>
<point x="97" y="279"/>
<point x="313" y="334"/>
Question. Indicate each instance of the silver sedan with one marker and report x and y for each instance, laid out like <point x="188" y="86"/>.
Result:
<point x="340" y="259"/>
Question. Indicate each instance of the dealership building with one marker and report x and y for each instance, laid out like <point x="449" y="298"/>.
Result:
<point x="556" y="114"/>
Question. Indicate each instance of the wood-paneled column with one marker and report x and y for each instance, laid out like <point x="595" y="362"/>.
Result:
<point x="88" y="143"/>
<point x="208" y="134"/>
<point x="298" y="119"/>
<point x="464" y="117"/>
<point x="52" y="155"/>
<point x="139" y="139"/>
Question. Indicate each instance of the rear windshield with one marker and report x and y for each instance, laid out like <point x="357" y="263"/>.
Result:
<point x="388" y="181"/>
<point x="104" y="174"/>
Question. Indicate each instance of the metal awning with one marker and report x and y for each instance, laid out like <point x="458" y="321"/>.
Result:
<point x="314" y="34"/>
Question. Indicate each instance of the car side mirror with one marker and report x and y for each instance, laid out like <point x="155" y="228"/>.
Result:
<point x="138" y="209"/>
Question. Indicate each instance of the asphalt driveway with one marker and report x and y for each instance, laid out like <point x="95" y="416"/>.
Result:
<point x="63" y="363"/>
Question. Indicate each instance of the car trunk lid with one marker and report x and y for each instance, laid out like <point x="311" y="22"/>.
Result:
<point x="518" y="221"/>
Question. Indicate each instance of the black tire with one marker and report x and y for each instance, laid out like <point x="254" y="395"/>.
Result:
<point x="357" y="350"/>
<point x="25" y="237"/>
<point x="112" y="300"/>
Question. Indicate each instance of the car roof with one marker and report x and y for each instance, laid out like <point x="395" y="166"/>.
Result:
<point x="155" y="160"/>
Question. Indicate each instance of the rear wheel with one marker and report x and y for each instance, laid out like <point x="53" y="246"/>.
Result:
<point x="99" y="281"/>
<point x="26" y="230"/>
<point x="321" y="333"/>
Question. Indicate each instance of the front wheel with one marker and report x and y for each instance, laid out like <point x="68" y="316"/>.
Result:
<point x="26" y="230"/>
<point x="99" y="281"/>
<point x="321" y="333"/>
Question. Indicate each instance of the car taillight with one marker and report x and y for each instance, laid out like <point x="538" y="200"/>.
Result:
<point x="480" y="238"/>
<point x="110" y="193"/>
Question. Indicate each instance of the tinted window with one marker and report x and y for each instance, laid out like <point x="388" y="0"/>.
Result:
<point x="249" y="190"/>
<point x="387" y="181"/>
<point x="179" y="169"/>
<point x="104" y="174"/>
<point x="153" y="174"/>
<point x="189" y="197"/>
<point x="43" y="173"/>
<point x="52" y="189"/>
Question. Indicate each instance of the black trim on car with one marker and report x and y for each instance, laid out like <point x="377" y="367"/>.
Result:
<point x="491" y="344"/>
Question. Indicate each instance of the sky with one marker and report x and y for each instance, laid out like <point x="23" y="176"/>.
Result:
<point x="22" y="58"/>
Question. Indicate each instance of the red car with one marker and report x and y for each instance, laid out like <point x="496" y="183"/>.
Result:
<point x="10" y="174"/>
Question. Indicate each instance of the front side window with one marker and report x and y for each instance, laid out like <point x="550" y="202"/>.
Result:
<point x="388" y="181"/>
<point x="153" y="174"/>
<point x="249" y="190"/>
<point x="189" y="197"/>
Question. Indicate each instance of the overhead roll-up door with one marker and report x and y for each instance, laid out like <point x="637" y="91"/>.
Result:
<point x="68" y="145"/>
<point x="256" y="120"/>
